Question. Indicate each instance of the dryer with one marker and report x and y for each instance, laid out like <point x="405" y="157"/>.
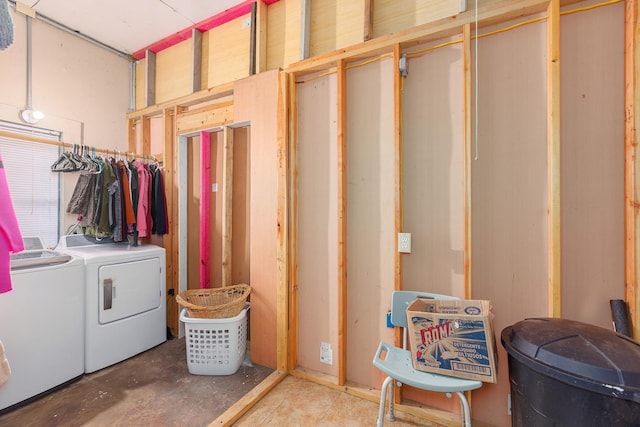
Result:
<point x="125" y="304"/>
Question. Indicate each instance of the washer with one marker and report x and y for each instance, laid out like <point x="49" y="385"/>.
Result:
<point x="42" y="323"/>
<point x="125" y="304"/>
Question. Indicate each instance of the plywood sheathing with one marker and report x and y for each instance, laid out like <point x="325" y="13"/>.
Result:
<point x="254" y="98"/>
<point x="204" y="235"/>
<point x="150" y="80"/>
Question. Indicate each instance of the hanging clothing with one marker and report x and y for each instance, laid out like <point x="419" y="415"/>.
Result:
<point x="10" y="235"/>
<point x="159" y="202"/>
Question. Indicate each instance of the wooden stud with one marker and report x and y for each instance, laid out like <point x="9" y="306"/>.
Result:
<point x="150" y="71"/>
<point x="305" y="30"/>
<point x="146" y="136"/>
<point x="342" y="219"/>
<point x="132" y="136"/>
<point x="261" y="36"/>
<point x="397" y="142"/>
<point x="282" y="310"/>
<point x="227" y="206"/>
<point x="467" y="132"/>
<point x="554" y="246"/>
<point x="253" y="39"/>
<point x="196" y="60"/>
<point x="171" y="254"/>
<point x="205" y="209"/>
<point x="631" y="165"/>
<point x="368" y="20"/>
<point x="398" y="211"/>
<point x="293" y="221"/>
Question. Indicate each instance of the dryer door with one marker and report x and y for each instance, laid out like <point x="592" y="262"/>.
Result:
<point x="128" y="288"/>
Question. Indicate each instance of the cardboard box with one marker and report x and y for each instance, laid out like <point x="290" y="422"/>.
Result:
<point x="453" y="337"/>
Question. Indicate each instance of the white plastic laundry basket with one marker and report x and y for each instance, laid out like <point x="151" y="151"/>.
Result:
<point x="215" y="346"/>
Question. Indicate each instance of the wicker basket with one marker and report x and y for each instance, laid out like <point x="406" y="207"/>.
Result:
<point x="214" y="303"/>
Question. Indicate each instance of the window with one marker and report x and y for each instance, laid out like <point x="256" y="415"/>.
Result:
<point x="35" y="190"/>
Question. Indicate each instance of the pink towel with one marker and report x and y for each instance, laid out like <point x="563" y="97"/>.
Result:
<point x="10" y="236"/>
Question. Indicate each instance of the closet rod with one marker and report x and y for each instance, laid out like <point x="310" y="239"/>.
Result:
<point x="67" y="145"/>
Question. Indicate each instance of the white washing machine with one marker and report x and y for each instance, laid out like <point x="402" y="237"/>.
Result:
<point x="125" y="304"/>
<point x="42" y="323"/>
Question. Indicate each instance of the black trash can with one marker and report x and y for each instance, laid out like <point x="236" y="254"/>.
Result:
<point x="568" y="373"/>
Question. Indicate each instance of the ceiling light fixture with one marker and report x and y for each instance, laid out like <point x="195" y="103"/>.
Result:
<point x="31" y="116"/>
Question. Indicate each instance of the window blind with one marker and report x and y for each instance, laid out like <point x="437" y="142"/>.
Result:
<point x="35" y="190"/>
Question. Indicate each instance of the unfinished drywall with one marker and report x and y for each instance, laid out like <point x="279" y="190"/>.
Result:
<point x="370" y="215"/>
<point x="432" y="177"/>
<point x="509" y="192"/>
<point x="592" y="163"/>
<point x="317" y="238"/>
<point x="255" y="100"/>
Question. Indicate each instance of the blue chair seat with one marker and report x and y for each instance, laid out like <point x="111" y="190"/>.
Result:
<point x="396" y="363"/>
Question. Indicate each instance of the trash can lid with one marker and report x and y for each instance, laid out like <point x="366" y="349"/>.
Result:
<point x="576" y="353"/>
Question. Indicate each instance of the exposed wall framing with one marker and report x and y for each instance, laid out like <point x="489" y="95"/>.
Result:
<point x="427" y="33"/>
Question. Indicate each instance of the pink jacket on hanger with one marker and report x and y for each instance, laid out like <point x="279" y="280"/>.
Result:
<point x="10" y="236"/>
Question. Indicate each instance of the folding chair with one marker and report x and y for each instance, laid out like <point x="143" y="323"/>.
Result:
<point x="396" y="363"/>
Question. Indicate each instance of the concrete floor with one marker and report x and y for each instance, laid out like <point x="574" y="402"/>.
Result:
<point x="154" y="388"/>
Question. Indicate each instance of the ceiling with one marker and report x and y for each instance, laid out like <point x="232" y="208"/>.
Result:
<point x="129" y="25"/>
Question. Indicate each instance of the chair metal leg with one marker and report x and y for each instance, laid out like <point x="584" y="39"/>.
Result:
<point x="391" y="416"/>
<point x="383" y="398"/>
<point x="466" y="411"/>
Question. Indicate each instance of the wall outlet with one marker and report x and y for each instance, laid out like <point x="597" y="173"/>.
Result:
<point x="404" y="243"/>
<point x="326" y="354"/>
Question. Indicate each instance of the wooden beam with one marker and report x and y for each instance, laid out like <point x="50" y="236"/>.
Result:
<point x="227" y="207"/>
<point x="282" y="309"/>
<point x="247" y="401"/>
<point x="467" y="132"/>
<point x="171" y="254"/>
<point x="204" y="95"/>
<point x="132" y="136"/>
<point x="631" y="164"/>
<point x="368" y="20"/>
<point x="293" y="221"/>
<point x="196" y="60"/>
<point x="150" y="71"/>
<point x="305" y="30"/>
<point x="146" y="136"/>
<point x="253" y="39"/>
<point x="205" y="118"/>
<point x="342" y="220"/>
<point x="205" y="209"/>
<point x="554" y="239"/>
<point x="261" y="36"/>
<point x="398" y="201"/>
